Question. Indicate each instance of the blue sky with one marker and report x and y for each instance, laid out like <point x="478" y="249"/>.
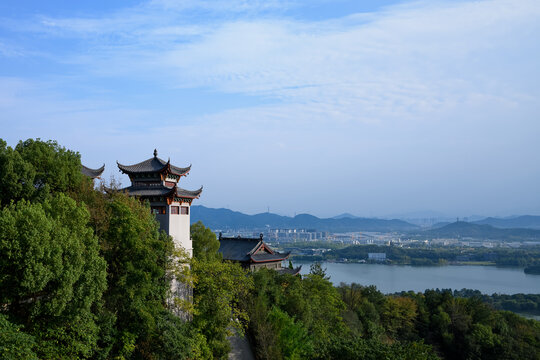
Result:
<point x="367" y="107"/>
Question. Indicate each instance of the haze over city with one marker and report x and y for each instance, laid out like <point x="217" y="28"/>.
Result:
<point x="372" y="108"/>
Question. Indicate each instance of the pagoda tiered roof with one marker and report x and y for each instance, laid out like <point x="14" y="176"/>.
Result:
<point x="143" y="190"/>
<point x="162" y="190"/>
<point x="152" y="178"/>
<point x="92" y="173"/>
<point x="189" y="193"/>
<point x="153" y="165"/>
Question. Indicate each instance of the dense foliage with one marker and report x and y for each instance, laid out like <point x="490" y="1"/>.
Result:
<point x="34" y="169"/>
<point x="519" y="303"/>
<point x="309" y="318"/>
<point x="293" y="318"/>
<point x="52" y="274"/>
<point x="205" y="243"/>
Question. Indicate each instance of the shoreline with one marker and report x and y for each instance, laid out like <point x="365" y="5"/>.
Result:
<point x="389" y="263"/>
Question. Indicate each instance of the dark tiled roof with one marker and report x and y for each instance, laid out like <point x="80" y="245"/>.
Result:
<point x="148" y="190"/>
<point x="92" y="173"/>
<point x="264" y="257"/>
<point x="180" y="171"/>
<point x="242" y="249"/>
<point x="237" y="249"/>
<point x="188" y="193"/>
<point x="289" y="271"/>
<point x="151" y="165"/>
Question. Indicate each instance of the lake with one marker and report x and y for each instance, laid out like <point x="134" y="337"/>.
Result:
<point x="395" y="278"/>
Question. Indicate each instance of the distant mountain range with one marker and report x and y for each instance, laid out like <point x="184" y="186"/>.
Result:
<point x="525" y="222"/>
<point x="227" y="219"/>
<point x="462" y="229"/>
<point x="345" y="216"/>
<point x="519" y="228"/>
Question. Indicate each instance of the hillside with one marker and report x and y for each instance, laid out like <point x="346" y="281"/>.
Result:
<point x="228" y="219"/>
<point x="525" y="222"/>
<point x="345" y="215"/>
<point x="462" y="229"/>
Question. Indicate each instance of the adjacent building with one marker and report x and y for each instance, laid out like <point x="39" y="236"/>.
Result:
<point x="253" y="254"/>
<point x="377" y="256"/>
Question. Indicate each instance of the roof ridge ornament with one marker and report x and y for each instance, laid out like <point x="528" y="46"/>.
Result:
<point x="155" y="152"/>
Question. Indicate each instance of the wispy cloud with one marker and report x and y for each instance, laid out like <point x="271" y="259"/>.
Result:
<point x="406" y="59"/>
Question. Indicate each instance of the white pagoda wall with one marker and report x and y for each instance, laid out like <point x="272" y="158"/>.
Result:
<point x="177" y="226"/>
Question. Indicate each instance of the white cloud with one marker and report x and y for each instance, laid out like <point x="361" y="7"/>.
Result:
<point x="406" y="61"/>
<point x="428" y="91"/>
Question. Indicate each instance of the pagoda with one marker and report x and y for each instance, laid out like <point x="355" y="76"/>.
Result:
<point x="156" y="181"/>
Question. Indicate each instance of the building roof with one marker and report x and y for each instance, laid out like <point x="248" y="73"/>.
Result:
<point x="161" y="190"/>
<point x="237" y="249"/>
<point x="188" y="193"/>
<point x="293" y="272"/>
<point x="265" y="257"/>
<point x="247" y="250"/>
<point x="153" y="165"/>
<point x="143" y="190"/>
<point x="92" y="173"/>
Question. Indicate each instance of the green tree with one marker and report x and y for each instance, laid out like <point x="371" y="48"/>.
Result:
<point x="14" y="343"/>
<point x="219" y="288"/>
<point x="317" y="269"/>
<point x="34" y="169"/>
<point x="16" y="175"/>
<point x="205" y="243"/>
<point x="51" y="274"/>
<point x="294" y="341"/>
<point x="137" y="254"/>
<point x="56" y="168"/>
<point x="398" y="316"/>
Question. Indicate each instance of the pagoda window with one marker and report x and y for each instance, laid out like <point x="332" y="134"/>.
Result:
<point x="184" y="210"/>
<point x="174" y="210"/>
<point x="158" y="210"/>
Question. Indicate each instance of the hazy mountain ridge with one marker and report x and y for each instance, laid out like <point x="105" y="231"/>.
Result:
<point x="524" y="222"/>
<point x="482" y="231"/>
<point x="345" y="216"/>
<point x="228" y="219"/>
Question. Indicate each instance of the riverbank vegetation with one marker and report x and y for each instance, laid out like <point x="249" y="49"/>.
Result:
<point x="294" y="318"/>
<point x="518" y="303"/>
<point x="433" y="255"/>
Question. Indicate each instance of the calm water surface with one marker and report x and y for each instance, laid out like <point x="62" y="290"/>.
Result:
<point x="394" y="278"/>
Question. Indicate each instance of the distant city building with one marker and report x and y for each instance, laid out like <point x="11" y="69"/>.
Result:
<point x="253" y="254"/>
<point x="377" y="256"/>
<point x="296" y="235"/>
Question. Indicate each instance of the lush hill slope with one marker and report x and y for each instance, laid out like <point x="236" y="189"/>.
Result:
<point x="228" y="219"/>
